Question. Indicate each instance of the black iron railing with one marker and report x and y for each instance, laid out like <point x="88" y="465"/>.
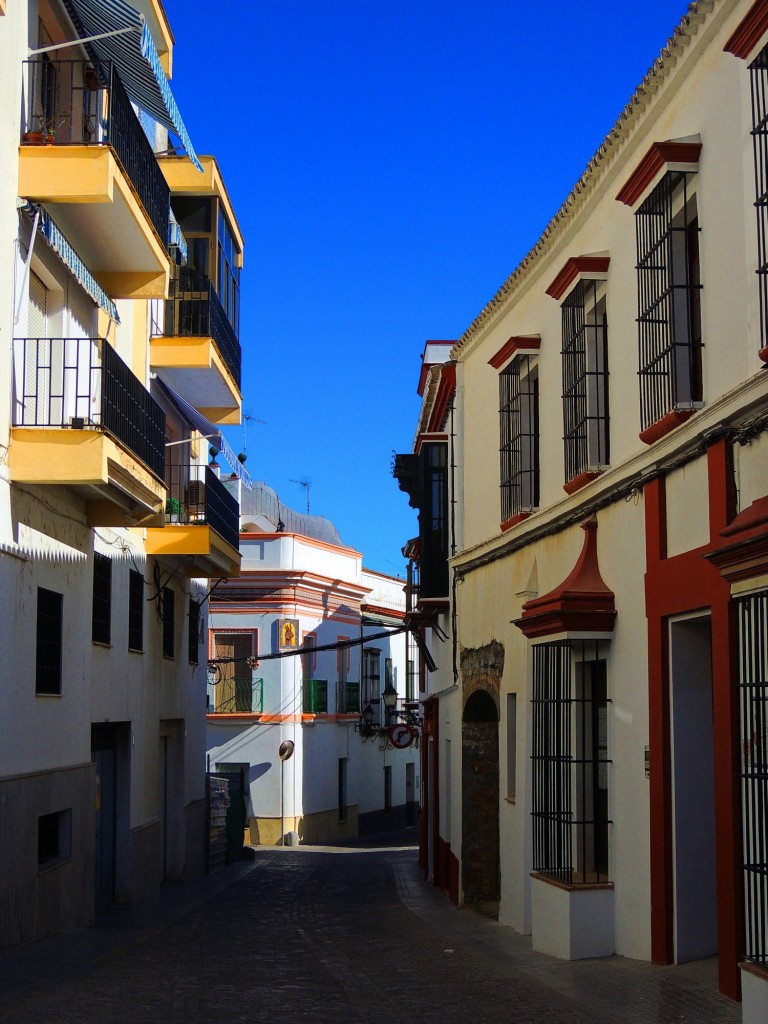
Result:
<point x="519" y="437"/>
<point x="570" y="762"/>
<point x="196" y="496"/>
<point x="236" y="694"/>
<point x="753" y="770"/>
<point x="194" y="311"/>
<point x="84" y="103"/>
<point x="83" y="382"/>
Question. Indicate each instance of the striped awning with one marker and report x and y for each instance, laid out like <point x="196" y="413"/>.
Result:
<point x="69" y="257"/>
<point x="206" y="429"/>
<point x="133" y="53"/>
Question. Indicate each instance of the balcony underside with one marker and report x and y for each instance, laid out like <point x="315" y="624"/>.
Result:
<point x="194" y="369"/>
<point x="198" y="550"/>
<point x="118" y="490"/>
<point x="87" y="193"/>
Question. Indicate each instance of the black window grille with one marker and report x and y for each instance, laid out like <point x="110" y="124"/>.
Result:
<point x="135" y="611"/>
<point x="669" y="299"/>
<point x="570" y="762"/>
<point x="759" y="82"/>
<point x="753" y="770"/>
<point x="371" y="677"/>
<point x="433" y="520"/>
<point x="193" y="645"/>
<point x="49" y="641"/>
<point x="585" y="380"/>
<point x="169" y="622"/>
<point x="101" y="615"/>
<point x="519" y="436"/>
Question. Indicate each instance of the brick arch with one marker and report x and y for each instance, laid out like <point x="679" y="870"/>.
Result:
<point x="481" y="672"/>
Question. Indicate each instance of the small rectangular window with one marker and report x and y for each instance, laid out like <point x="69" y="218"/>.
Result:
<point x="169" y="622"/>
<point x="54" y="837"/>
<point x="511" y="745"/>
<point x="135" y="611"/>
<point x="49" y="641"/>
<point x="371" y="676"/>
<point x="101" y="615"/>
<point x="388" y="788"/>
<point x="194" y="632"/>
<point x="343" y="789"/>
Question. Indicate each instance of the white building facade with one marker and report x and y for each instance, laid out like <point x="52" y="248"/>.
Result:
<point x="108" y="536"/>
<point x="301" y="644"/>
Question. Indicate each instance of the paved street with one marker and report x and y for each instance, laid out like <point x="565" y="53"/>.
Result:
<point x="330" y="936"/>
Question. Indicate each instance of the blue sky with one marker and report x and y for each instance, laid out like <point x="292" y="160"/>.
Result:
<point x="390" y="164"/>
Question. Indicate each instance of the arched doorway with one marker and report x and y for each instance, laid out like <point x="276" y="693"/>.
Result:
<point x="480" y="799"/>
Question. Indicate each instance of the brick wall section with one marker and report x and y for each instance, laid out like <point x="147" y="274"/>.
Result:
<point x="481" y="671"/>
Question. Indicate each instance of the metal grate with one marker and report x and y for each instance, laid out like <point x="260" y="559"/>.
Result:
<point x="519" y="437"/>
<point x="50" y="605"/>
<point x="759" y="83"/>
<point x="585" y="380"/>
<point x="348" y="697"/>
<point x="753" y="770"/>
<point x="83" y="382"/>
<point x="194" y="310"/>
<point x="169" y="622"/>
<point x="84" y="103"/>
<point x="135" y="611"/>
<point x="314" y="697"/>
<point x="669" y="299"/>
<point x="570" y="762"/>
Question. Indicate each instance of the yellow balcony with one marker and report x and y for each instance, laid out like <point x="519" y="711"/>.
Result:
<point x="85" y="155"/>
<point x="198" y="354"/>
<point x="201" y="532"/>
<point x="82" y="420"/>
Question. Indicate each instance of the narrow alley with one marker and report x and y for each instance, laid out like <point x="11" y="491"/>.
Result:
<point x="330" y="935"/>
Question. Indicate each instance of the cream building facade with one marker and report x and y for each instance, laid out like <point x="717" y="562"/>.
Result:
<point x="597" y="443"/>
<point x="119" y="349"/>
<point x="306" y="646"/>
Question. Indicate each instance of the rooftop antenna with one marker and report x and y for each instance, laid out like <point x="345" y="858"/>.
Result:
<point x="303" y="483"/>
<point x="246" y="419"/>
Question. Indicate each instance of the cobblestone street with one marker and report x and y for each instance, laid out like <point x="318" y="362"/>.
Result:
<point x="330" y="935"/>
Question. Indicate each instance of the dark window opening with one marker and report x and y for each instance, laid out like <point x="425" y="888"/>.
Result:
<point x="101" y="617"/>
<point x="49" y="641"/>
<point x="433" y="521"/>
<point x="570" y="762"/>
<point x="585" y="380"/>
<point x="169" y="622"/>
<point x="135" y="611"/>
<point x="194" y="632"/>
<point x="669" y="299"/>
<point x="519" y="437"/>
<point x="759" y="82"/>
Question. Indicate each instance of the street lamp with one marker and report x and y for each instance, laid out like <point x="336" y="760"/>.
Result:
<point x="366" y="721"/>
<point x="389" y="696"/>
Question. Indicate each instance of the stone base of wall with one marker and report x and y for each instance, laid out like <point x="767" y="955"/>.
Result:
<point x="383" y="821"/>
<point x="195" y="840"/>
<point x="38" y="901"/>
<point x="572" y="922"/>
<point x="312" y="829"/>
<point x="146" y="862"/>
<point x="754" y="994"/>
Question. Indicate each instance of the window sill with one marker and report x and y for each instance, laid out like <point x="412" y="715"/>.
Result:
<point x="510" y="800"/>
<point x="665" y="425"/>
<point x="513" y="521"/>
<point x="752" y="968"/>
<point x="570" y="886"/>
<point x="577" y="482"/>
<point x="135" y="650"/>
<point x="42" y="693"/>
<point x="107" y="644"/>
<point x="53" y="864"/>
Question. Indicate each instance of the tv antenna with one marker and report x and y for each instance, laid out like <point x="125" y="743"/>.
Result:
<point x="303" y="483"/>
<point x="247" y="418"/>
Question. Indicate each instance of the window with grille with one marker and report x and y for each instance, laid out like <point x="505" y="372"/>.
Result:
<point x="101" y="615"/>
<point x="193" y="644"/>
<point x="585" y="379"/>
<point x="519" y="436"/>
<point x="758" y="74"/>
<point x="169" y="622"/>
<point x="135" y="611"/>
<point x="235" y="691"/>
<point x="570" y="762"/>
<point x="371" y="676"/>
<point x="433" y="521"/>
<point x="753" y="770"/>
<point x="669" y="299"/>
<point x="49" y="641"/>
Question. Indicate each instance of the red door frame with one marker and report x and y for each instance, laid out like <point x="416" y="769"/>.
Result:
<point x="674" y="586"/>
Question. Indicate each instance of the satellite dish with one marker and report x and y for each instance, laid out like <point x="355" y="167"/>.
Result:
<point x="285" y="750"/>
